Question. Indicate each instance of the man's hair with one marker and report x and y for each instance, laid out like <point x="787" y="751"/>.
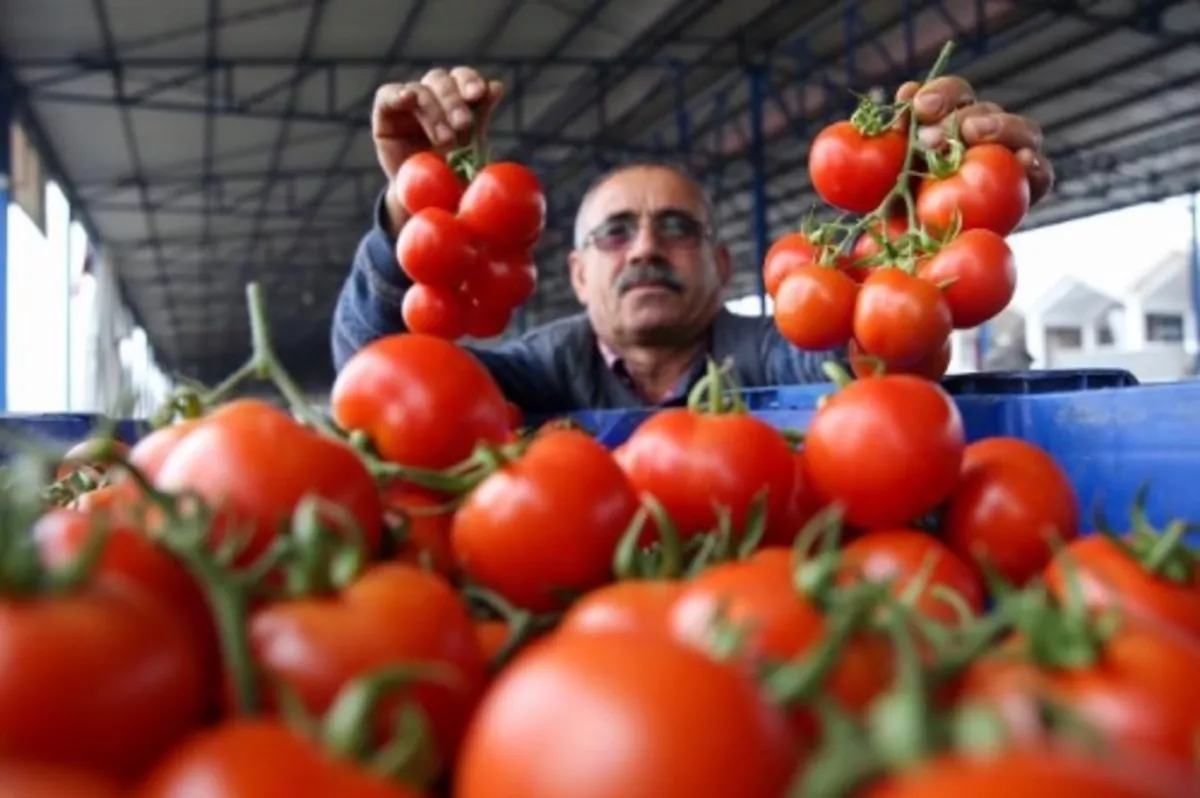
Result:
<point x="581" y="230"/>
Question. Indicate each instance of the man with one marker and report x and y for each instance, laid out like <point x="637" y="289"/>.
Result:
<point x="645" y="265"/>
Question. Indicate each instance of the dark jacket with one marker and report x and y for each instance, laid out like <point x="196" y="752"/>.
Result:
<point x="558" y="367"/>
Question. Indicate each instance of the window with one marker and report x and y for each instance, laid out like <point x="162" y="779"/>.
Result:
<point x="1064" y="337"/>
<point x="1104" y="334"/>
<point x="1164" y="328"/>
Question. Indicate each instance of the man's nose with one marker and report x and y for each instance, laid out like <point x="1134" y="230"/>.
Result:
<point x="644" y="244"/>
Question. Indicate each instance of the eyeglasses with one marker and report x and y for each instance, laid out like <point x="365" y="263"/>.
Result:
<point x="670" y="228"/>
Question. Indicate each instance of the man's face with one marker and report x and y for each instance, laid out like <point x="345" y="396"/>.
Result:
<point x="648" y="271"/>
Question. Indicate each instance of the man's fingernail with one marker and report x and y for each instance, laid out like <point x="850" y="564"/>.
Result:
<point x="473" y="88"/>
<point x="931" y="137"/>
<point x="460" y="118"/>
<point x="983" y="126"/>
<point x="443" y="133"/>
<point x="930" y="103"/>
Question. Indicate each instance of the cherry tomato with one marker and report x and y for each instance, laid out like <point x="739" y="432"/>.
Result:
<point x="988" y="191"/>
<point x="432" y="310"/>
<point x="232" y="462"/>
<point x="256" y="758"/>
<point x="889" y="449"/>
<point x="814" y="307"/>
<point x="31" y="780"/>
<point x="83" y="456"/>
<point x="623" y="716"/>
<point x="629" y="606"/>
<point x="899" y="555"/>
<point x="436" y="248"/>
<point x="1045" y="772"/>
<point x="1109" y="575"/>
<point x="547" y="524"/>
<point x="931" y="367"/>
<point x="853" y="171"/>
<point x="900" y="317"/>
<point x="422" y="401"/>
<point x="425" y="180"/>
<point x="319" y="644"/>
<point x="695" y="462"/>
<point x="487" y="320"/>
<point x="982" y="276"/>
<point x="504" y="205"/>
<point x="506" y="279"/>
<point x="104" y="678"/>
<point x="865" y="246"/>
<point x="786" y="254"/>
<point x="425" y="519"/>
<point x="1011" y="502"/>
<point x="149" y="453"/>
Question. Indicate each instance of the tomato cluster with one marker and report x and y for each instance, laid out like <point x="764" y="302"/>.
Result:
<point x="919" y="252"/>
<point x="467" y="245"/>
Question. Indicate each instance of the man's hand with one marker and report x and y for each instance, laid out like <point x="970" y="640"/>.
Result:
<point x="951" y="100"/>
<point x="437" y="111"/>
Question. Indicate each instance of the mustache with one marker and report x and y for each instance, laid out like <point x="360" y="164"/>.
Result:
<point x="654" y="273"/>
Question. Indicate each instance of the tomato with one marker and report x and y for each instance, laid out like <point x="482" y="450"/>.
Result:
<point x="1031" y="773"/>
<point x="1135" y="692"/>
<point x="391" y="614"/>
<point x="787" y="253"/>
<point x="814" y="307"/>
<point x="422" y="401"/>
<point x="426" y="519"/>
<point x="982" y="274"/>
<point x="900" y="317"/>
<point x="547" y="523"/>
<point x="492" y="637"/>
<point x="516" y="416"/>
<point x="504" y="205"/>
<point x="695" y="462"/>
<point x="1013" y="499"/>
<point x="611" y="715"/>
<point x="931" y="367"/>
<point x="436" y="248"/>
<point x="231" y="461"/>
<point x="83" y="456"/>
<point x="899" y="555"/>
<point x="487" y="321"/>
<point x="31" y="780"/>
<point x="149" y="453"/>
<point x="889" y="449"/>
<point x="988" y="191"/>
<point x="261" y="759"/>
<point x="629" y="606"/>
<point x="853" y="171"/>
<point x="506" y="279"/>
<point x="803" y="504"/>
<point x="425" y="180"/>
<point x="1110" y="576"/>
<point x="433" y="310"/>
<point x="103" y="678"/>
<point x="866" y="247"/>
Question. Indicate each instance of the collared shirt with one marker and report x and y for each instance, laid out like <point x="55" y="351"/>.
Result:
<point x="618" y="368"/>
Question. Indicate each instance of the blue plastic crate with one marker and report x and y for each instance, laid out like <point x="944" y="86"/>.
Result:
<point x="60" y="429"/>
<point x="1111" y="435"/>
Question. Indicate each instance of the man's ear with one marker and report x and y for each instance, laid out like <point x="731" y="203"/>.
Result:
<point x="575" y="263"/>
<point x="724" y="264"/>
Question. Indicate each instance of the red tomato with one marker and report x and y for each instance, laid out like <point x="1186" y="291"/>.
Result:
<point x="899" y="555"/>
<point x="610" y="715"/>
<point x="695" y="462"/>
<point x="425" y="180"/>
<point x="149" y="453"/>
<point x="318" y="645"/>
<point x="505" y="279"/>
<point x="867" y="247"/>
<point x="31" y="780"/>
<point x="492" y="637"/>
<point x="1030" y="773"/>
<point x="988" y="191"/>
<point x="803" y="504"/>
<point x="814" y="307"/>
<point x="104" y="678"/>
<point x="83" y="456"/>
<point x="516" y="416"/>
<point x="889" y="449"/>
<point x="432" y="310"/>
<point x="900" y="317"/>
<point x="261" y="759"/>
<point x="504" y="205"/>
<point x="1135" y="693"/>
<point x="426" y="519"/>
<point x="1109" y="576"/>
<point x="488" y="321"/>
<point x="932" y="367"/>
<point x="982" y="274"/>
<point x="629" y="606"/>
<point x="436" y="248"/>
<point x="546" y="524"/>
<point x="422" y="401"/>
<point x="787" y="253"/>
<point x="853" y="171"/>
<point x="1010" y="503"/>
<point x="231" y="461"/>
